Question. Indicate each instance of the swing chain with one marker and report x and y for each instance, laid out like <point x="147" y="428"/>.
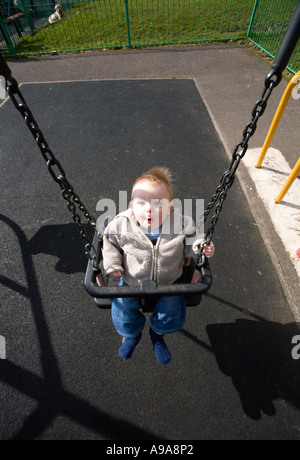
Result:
<point x="73" y="200"/>
<point x="68" y="193"/>
<point x="217" y="200"/>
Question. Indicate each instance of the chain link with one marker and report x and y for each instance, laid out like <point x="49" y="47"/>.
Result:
<point x="218" y="199"/>
<point x="56" y="170"/>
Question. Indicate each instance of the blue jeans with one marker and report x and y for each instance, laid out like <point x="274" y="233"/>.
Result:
<point x="168" y="317"/>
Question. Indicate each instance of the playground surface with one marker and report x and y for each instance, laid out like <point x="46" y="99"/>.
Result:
<point x="108" y="116"/>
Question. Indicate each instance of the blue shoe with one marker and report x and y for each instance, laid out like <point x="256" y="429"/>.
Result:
<point x="163" y="355"/>
<point x="128" y="346"/>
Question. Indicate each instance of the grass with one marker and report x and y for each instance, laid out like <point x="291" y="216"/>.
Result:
<point x="92" y="24"/>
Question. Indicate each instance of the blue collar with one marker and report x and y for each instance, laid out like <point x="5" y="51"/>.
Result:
<point x="152" y="234"/>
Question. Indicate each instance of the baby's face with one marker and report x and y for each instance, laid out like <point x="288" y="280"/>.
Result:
<point x="150" y="203"/>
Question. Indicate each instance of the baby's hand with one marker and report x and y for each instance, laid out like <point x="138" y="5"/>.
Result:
<point x="208" y="250"/>
<point x="115" y="276"/>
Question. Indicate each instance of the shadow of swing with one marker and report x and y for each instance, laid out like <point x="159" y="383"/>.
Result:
<point x="64" y="242"/>
<point x="257" y="355"/>
<point x="48" y="391"/>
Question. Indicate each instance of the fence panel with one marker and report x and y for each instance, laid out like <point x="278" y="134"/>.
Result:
<point x="158" y="22"/>
<point x="94" y="24"/>
<point x="11" y="26"/>
<point x="269" y="23"/>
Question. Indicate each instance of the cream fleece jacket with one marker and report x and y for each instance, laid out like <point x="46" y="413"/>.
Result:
<point x="128" y="249"/>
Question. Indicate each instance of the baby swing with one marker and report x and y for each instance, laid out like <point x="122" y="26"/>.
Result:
<point x="148" y="291"/>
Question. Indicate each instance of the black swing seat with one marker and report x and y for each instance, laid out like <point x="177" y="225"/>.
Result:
<point x="148" y="291"/>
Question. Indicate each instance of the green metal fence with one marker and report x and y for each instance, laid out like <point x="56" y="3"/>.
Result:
<point x="98" y="24"/>
<point x="92" y="24"/>
<point x="268" y="24"/>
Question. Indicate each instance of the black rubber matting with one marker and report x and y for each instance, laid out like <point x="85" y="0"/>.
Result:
<point x="232" y="375"/>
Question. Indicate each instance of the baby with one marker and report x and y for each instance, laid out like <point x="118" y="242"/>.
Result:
<point x="149" y="242"/>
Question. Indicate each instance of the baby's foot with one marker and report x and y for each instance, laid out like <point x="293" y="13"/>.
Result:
<point x="161" y="350"/>
<point x="128" y="346"/>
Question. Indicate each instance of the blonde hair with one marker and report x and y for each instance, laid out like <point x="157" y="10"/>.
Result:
<point x="158" y="174"/>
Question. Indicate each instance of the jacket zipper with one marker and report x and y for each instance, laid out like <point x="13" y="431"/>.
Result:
<point x="153" y="271"/>
<point x="155" y="253"/>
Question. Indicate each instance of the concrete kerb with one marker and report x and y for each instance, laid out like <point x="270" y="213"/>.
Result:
<point x="285" y="270"/>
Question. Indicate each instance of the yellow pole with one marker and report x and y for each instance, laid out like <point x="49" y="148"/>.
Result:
<point x="277" y="117"/>
<point x="289" y="182"/>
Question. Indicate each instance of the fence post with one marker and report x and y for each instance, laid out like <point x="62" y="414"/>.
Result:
<point x="252" y="18"/>
<point x="127" y="23"/>
<point x="6" y="37"/>
<point x="24" y="7"/>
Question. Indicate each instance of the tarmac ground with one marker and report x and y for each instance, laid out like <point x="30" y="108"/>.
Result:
<point x="108" y="116"/>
